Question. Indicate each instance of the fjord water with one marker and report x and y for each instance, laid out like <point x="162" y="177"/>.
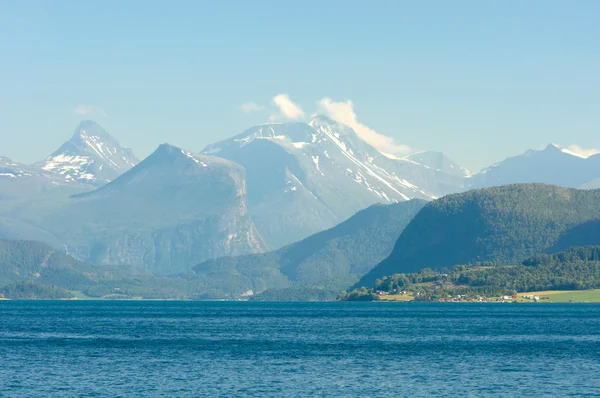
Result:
<point x="162" y="348"/>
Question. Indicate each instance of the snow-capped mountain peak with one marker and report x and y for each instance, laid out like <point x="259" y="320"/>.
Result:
<point x="321" y="172"/>
<point x="91" y="156"/>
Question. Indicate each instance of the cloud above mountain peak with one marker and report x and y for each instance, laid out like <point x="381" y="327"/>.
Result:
<point x="343" y="112"/>
<point x="287" y="107"/>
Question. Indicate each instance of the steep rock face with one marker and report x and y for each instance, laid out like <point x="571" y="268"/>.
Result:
<point x="504" y="224"/>
<point x="553" y="165"/>
<point x="91" y="156"/>
<point x="173" y="210"/>
<point x="304" y="178"/>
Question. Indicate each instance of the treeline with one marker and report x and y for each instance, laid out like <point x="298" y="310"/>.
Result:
<point x="575" y="269"/>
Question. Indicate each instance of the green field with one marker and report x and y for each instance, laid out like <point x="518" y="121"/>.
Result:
<point x="554" y="296"/>
<point x="558" y="296"/>
<point x="396" y="297"/>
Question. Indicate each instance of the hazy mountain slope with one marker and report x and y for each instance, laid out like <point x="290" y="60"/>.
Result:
<point x="173" y="210"/>
<point x="335" y="258"/>
<point x="505" y="224"/>
<point x="91" y="156"/>
<point x="440" y="162"/>
<point x="304" y="178"/>
<point x="553" y="165"/>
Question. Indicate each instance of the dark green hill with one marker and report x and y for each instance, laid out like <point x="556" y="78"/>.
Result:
<point x="504" y="224"/>
<point x="333" y="259"/>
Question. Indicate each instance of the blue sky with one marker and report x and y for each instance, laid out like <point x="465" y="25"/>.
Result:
<point x="478" y="80"/>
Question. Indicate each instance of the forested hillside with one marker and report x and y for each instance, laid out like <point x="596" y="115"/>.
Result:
<point x="575" y="269"/>
<point x="332" y="260"/>
<point x="503" y="224"/>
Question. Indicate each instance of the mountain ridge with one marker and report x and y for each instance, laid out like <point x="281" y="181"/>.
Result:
<point x="551" y="165"/>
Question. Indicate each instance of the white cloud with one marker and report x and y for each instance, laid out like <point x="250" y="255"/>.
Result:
<point x="89" y="110"/>
<point x="343" y="112"/>
<point x="251" y="107"/>
<point x="287" y="108"/>
<point x="582" y="152"/>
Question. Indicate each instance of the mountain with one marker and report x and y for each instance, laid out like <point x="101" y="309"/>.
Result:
<point x="333" y="259"/>
<point x="553" y="165"/>
<point x="307" y="177"/>
<point x="19" y="181"/>
<point x="171" y="211"/>
<point x="439" y="162"/>
<point x="91" y="156"/>
<point x="503" y="224"/>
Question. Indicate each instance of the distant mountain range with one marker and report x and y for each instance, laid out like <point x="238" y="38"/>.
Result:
<point x="260" y="191"/>
<point x="552" y="165"/>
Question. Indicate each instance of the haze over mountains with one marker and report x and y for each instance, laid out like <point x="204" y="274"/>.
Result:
<point x="269" y="187"/>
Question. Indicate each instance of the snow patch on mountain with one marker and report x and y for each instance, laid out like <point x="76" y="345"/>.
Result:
<point x="91" y="156"/>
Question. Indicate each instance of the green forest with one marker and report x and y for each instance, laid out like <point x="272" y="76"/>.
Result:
<point x="28" y="290"/>
<point x="575" y="269"/>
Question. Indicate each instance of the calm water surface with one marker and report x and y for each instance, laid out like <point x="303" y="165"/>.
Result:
<point x="96" y="349"/>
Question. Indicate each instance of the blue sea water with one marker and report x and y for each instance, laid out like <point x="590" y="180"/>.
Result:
<point x="162" y="348"/>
